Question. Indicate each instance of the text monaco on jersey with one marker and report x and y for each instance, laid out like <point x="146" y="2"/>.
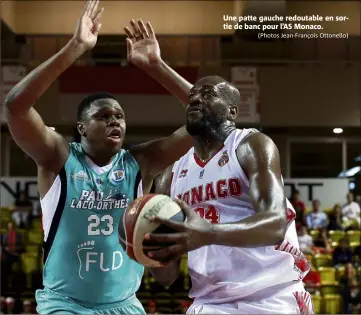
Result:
<point x="222" y="188"/>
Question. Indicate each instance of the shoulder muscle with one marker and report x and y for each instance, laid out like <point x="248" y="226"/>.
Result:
<point x="258" y="153"/>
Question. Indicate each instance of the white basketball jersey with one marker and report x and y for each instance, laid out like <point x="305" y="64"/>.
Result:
<point x="218" y="190"/>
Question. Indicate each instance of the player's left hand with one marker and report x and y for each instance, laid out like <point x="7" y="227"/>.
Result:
<point x="191" y="234"/>
<point x="142" y="46"/>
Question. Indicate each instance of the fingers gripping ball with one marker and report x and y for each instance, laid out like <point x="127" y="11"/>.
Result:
<point x="135" y="223"/>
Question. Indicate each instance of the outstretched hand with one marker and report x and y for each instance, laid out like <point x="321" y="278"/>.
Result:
<point x="88" y="27"/>
<point x="191" y="234"/>
<point x="142" y="46"/>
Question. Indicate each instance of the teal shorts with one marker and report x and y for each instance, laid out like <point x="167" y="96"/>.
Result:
<point x="50" y="302"/>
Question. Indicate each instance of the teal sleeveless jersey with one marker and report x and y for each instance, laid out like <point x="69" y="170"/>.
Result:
<point x="83" y="259"/>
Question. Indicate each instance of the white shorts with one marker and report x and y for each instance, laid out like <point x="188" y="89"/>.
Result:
<point x="286" y="301"/>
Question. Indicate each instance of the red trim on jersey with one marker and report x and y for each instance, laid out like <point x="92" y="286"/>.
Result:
<point x="203" y="164"/>
<point x="304" y="302"/>
<point x="290" y="215"/>
<point x="301" y="261"/>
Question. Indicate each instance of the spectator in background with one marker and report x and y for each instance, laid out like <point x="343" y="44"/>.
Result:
<point x="152" y="307"/>
<point x="23" y="211"/>
<point x="12" y="246"/>
<point x="305" y="240"/>
<point x="334" y="219"/>
<point x="299" y="207"/>
<point x="317" y="219"/>
<point x="312" y="281"/>
<point x="27" y="307"/>
<point x="350" y="289"/>
<point x="10" y="305"/>
<point x="342" y="254"/>
<point x="321" y="243"/>
<point x="351" y="213"/>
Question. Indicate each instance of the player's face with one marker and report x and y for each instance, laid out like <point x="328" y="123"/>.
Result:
<point x="207" y="108"/>
<point x="105" y="126"/>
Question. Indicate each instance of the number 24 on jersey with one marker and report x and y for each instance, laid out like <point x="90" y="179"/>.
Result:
<point x="209" y="213"/>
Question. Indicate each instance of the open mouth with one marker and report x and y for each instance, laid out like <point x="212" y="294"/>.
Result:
<point x="115" y="134"/>
<point x="194" y="109"/>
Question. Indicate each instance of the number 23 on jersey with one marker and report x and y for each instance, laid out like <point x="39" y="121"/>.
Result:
<point x="93" y="227"/>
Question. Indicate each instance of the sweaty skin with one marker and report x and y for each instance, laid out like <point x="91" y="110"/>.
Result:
<point x="259" y="158"/>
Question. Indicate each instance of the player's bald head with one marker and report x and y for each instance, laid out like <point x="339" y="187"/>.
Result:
<point x="213" y="105"/>
<point x="228" y="91"/>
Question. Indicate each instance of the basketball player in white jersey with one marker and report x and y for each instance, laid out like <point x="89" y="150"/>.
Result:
<point x="239" y="234"/>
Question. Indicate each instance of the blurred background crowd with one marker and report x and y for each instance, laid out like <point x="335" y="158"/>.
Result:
<point x="304" y="94"/>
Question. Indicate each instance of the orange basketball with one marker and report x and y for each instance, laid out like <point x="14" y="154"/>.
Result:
<point x="135" y="223"/>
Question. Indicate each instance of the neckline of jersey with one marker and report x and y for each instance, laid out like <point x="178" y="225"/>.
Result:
<point x="204" y="163"/>
<point x="100" y="170"/>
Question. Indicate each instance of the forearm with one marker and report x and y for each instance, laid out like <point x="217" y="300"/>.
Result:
<point x="171" y="80"/>
<point x="166" y="275"/>
<point x="27" y="91"/>
<point x="261" y="229"/>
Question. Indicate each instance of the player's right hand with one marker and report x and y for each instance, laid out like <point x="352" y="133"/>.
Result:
<point x="191" y="234"/>
<point x="88" y="27"/>
<point x="142" y="46"/>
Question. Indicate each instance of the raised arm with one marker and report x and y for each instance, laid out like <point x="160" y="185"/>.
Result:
<point x="47" y="148"/>
<point x="144" y="52"/>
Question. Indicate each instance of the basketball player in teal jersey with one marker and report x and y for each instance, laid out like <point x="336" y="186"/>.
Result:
<point x="85" y="187"/>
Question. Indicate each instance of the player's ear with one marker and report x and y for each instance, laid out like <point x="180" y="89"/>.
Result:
<point x="81" y="128"/>
<point x="233" y="112"/>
